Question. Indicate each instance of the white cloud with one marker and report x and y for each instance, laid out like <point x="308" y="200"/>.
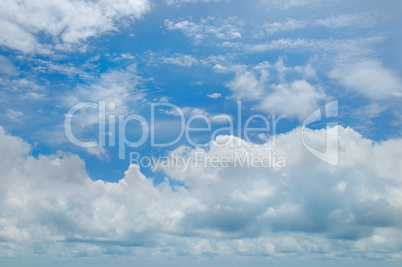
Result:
<point x="369" y="112"/>
<point x="290" y="24"/>
<point x="113" y="93"/>
<point x="119" y="87"/>
<point x="357" y="46"/>
<point x="15" y="37"/>
<point x="221" y="29"/>
<point x="179" y="2"/>
<point x="125" y="56"/>
<point x="247" y="86"/>
<point x="8" y="68"/>
<point x="307" y="207"/>
<point x="67" y="23"/>
<point x="187" y="111"/>
<point x="364" y="20"/>
<point x="68" y="69"/>
<point x="25" y="89"/>
<point x="221" y="63"/>
<point x="347" y="20"/>
<point x="295" y="98"/>
<point x="189" y="28"/>
<point x="180" y="60"/>
<point x="99" y="152"/>
<point x="197" y="112"/>
<point x="282" y="44"/>
<point x="368" y="78"/>
<point x="214" y="95"/>
<point x="285" y="4"/>
<point x="14" y="116"/>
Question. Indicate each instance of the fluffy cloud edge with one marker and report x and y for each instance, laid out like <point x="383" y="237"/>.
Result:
<point x="246" y="210"/>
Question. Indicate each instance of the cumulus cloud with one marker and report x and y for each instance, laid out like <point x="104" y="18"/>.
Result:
<point x="247" y="86"/>
<point x="368" y="78"/>
<point x="66" y="23"/>
<point x="296" y="98"/>
<point x="307" y="206"/>
<point x="292" y="98"/>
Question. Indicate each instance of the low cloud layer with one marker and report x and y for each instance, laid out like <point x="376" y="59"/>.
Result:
<point x="308" y="206"/>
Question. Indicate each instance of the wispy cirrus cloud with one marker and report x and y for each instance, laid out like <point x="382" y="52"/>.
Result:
<point x="226" y="29"/>
<point x="118" y="87"/>
<point x="366" y="20"/>
<point x="180" y="60"/>
<point x="369" y="78"/>
<point x="180" y="2"/>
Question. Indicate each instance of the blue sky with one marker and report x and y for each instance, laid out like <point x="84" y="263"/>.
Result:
<point x="242" y="61"/>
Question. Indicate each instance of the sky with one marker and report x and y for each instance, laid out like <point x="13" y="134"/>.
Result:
<point x="202" y="132"/>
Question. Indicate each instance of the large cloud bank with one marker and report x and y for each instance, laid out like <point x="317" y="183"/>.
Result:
<point x="308" y="206"/>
